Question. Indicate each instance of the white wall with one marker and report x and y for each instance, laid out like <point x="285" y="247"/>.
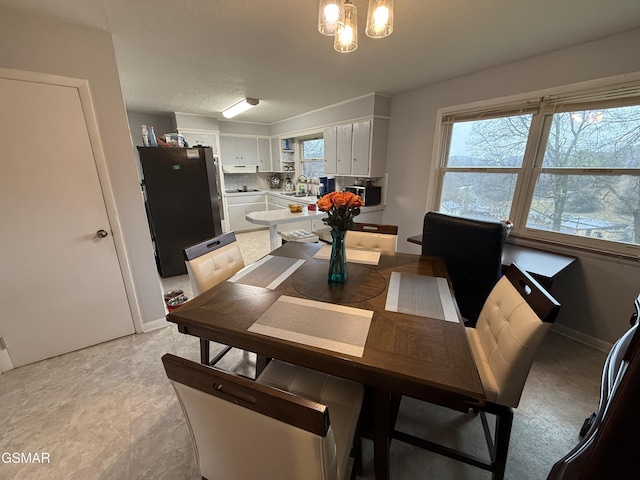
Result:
<point x="597" y="294"/>
<point x="161" y="124"/>
<point x="47" y="46"/>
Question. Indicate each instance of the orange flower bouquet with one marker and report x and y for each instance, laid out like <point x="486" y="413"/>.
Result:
<point x="341" y="207"/>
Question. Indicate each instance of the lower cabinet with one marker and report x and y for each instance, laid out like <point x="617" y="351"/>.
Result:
<point x="238" y="208"/>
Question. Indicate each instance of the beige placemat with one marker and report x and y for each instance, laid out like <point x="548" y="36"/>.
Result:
<point x="324" y="325"/>
<point x="354" y="255"/>
<point x="268" y="272"/>
<point x="421" y="295"/>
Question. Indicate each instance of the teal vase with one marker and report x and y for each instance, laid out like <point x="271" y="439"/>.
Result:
<point x="338" y="260"/>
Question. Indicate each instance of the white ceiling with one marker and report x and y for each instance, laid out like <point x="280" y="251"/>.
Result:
<point x="201" y="56"/>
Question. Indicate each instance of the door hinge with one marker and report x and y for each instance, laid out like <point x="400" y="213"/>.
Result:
<point x="3" y="345"/>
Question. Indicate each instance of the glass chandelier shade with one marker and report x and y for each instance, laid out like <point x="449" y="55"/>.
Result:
<point x="346" y="39"/>
<point x="379" y="18"/>
<point x="330" y="16"/>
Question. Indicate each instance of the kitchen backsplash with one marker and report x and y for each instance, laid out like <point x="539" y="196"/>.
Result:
<point x="233" y="181"/>
<point x="251" y="180"/>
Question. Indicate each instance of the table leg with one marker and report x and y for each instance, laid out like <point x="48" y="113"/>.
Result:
<point x="381" y="435"/>
<point x="204" y="351"/>
<point x="273" y="236"/>
<point x="261" y="363"/>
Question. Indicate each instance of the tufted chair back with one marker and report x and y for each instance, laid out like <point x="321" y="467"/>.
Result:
<point x="243" y="429"/>
<point x="512" y="324"/>
<point x="373" y="237"/>
<point x="213" y="261"/>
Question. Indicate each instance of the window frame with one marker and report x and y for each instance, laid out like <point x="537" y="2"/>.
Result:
<point x="302" y="159"/>
<point x="542" y="106"/>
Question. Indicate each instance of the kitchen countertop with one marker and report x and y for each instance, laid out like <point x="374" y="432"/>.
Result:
<point x="309" y="199"/>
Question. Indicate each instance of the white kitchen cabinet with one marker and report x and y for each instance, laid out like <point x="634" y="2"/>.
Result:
<point x="238" y="150"/>
<point x="343" y="148"/>
<point x="273" y="203"/>
<point x="264" y="155"/>
<point x="360" y="148"/>
<point x="330" y="159"/>
<point x="377" y="165"/>
<point x="276" y="161"/>
<point x="206" y="139"/>
<point x="237" y="214"/>
<point x="238" y="206"/>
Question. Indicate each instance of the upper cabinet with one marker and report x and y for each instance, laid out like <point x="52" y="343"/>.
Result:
<point x="343" y="149"/>
<point x="357" y="149"/>
<point x="238" y="150"/>
<point x="264" y="155"/>
<point x="206" y="139"/>
<point x="276" y="164"/>
<point x="330" y="151"/>
<point x="361" y="135"/>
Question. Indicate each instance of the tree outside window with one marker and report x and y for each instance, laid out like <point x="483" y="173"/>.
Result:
<point x="574" y="171"/>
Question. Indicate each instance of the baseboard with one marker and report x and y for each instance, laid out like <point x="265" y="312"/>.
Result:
<point x="582" y="337"/>
<point x="155" y="324"/>
<point x="5" y="361"/>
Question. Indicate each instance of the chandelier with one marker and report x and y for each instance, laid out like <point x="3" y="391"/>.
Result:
<point x="339" y="19"/>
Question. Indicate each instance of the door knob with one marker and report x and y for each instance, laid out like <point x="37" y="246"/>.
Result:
<point x="102" y="233"/>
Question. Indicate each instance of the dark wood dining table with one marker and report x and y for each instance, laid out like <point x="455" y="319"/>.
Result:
<point x="404" y="354"/>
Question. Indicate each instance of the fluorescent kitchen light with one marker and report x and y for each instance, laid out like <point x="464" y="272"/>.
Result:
<point x="240" y="107"/>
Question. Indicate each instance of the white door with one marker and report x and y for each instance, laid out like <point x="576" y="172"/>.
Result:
<point x="61" y="283"/>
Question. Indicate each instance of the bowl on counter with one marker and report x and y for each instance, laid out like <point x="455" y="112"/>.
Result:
<point x="295" y="208"/>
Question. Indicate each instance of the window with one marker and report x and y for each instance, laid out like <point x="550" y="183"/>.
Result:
<point x="564" y="169"/>
<point x="312" y="160"/>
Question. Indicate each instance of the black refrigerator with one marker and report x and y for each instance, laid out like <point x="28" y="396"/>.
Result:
<point x="182" y="201"/>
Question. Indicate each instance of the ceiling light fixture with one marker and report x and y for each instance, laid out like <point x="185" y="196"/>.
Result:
<point x="330" y="16"/>
<point x="240" y="107"/>
<point x="339" y="18"/>
<point x="346" y="39"/>
<point x="379" y="18"/>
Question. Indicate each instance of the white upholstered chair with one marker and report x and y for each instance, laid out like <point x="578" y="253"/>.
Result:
<point x="258" y="430"/>
<point x="372" y="236"/>
<point x="208" y="263"/>
<point x="512" y="324"/>
<point x="212" y="261"/>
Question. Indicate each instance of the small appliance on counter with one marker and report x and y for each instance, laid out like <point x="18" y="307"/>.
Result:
<point x="288" y="185"/>
<point x="326" y="185"/>
<point x="370" y="195"/>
